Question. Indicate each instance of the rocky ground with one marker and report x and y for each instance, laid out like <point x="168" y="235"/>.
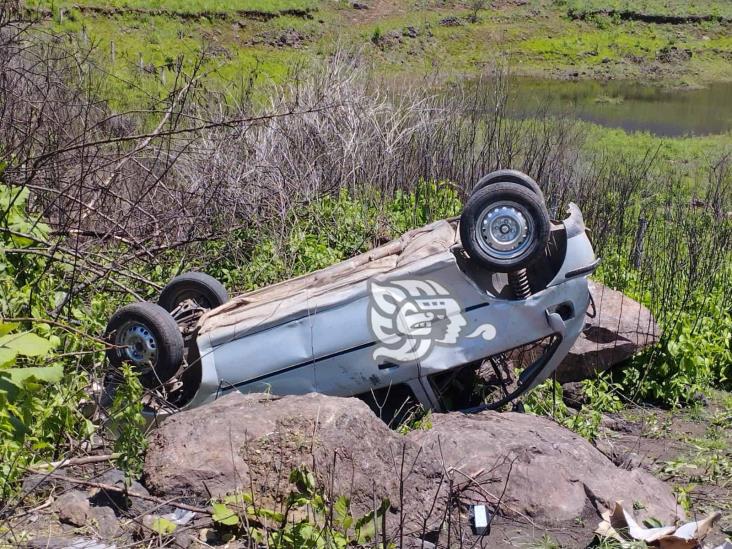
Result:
<point x="543" y="481"/>
<point x="546" y="486"/>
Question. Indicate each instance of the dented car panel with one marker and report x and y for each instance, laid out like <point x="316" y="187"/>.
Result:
<point x="399" y="314"/>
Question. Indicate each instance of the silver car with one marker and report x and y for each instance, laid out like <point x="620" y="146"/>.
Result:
<point x="466" y="313"/>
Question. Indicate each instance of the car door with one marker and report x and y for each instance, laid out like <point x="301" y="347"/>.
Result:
<point x="345" y="347"/>
<point x="276" y="358"/>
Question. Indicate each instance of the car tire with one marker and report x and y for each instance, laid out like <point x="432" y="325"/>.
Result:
<point x="504" y="227"/>
<point x="146" y="336"/>
<point x="509" y="176"/>
<point x="205" y="290"/>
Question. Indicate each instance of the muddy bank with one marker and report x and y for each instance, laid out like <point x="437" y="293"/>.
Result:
<point x="254" y="15"/>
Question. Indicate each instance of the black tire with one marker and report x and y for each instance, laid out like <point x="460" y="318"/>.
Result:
<point x="205" y="290"/>
<point x="152" y="327"/>
<point x="483" y="245"/>
<point x="509" y="176"/>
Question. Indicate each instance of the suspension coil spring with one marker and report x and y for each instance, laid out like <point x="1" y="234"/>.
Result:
<point x="519" y="282"/>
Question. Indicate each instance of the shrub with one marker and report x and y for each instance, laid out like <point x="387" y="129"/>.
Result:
<point x="128" y="423"/>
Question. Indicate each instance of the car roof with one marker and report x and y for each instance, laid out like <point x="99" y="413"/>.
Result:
<point x="329" y="286"/>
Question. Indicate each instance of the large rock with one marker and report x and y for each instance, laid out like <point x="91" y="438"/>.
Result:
<point x="550" y="474"/>
<point x="252" y="442"/>
<point x="621" y="328"/>
<point x="119" y="501"/>
<point x="73" y="508"/>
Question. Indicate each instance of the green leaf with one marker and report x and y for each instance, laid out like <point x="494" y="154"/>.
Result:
<point x="347" y="522"/>
<point x="7" y="356"/>
<point x="366" y="531"/>
<point x="13" y="195"/>
<point x="652" y="522"/>
<point x="21" y="241"/>
<point x="223" y="515"/>
<point x="297" y="499"/>
<point x="43" y="374"/>
<point x="26" y="343"/>
<point x="340" y="509"/>
<point x="20" y="429"/>
<point x="240" y="498"/>
<point x="270" y="514"/>
<point x="8" y="391"/>
<point x="303" y="479"/>
<point x="163" y="526"/>
<point x="7" y="327"/>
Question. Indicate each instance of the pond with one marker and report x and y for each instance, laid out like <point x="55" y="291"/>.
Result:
<point x="630" y="105"/>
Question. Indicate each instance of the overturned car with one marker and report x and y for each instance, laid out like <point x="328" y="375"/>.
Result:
<point x="498" y="294"/>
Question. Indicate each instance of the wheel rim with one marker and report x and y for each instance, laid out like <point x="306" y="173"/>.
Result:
<point x="505" y="230"/>
<point x="137" y="344"/>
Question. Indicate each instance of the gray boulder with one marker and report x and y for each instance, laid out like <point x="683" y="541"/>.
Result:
<point x="104" y="523"/>
<point x="621" y="328"/>
<point x="42" y="485"/>
<point x="73" y="508"/>
<point x="119" y="501"/>
<point x="550" y="474"/>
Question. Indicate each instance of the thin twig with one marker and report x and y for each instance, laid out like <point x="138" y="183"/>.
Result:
<point x="74" y="462"/>
<point x="111" y="488"/>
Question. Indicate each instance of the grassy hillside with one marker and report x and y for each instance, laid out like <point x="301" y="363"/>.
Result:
<point x="141" y="40"/>
<point x="188" y="6"/>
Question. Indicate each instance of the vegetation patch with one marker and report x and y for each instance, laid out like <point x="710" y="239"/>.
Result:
<point x="652" y="11"/>
<point x="178" y="8"/>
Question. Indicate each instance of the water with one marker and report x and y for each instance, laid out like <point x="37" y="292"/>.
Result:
<point x="630" y="105"/>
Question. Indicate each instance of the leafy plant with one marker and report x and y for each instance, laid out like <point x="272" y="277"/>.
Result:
<point x="39" y="405"/>
<point x="129" y="423"/>
<point x="30" y="417"/>
<point x="163" y="526"/>
<point x="418" y="419"/>
<point x="308" y="521"/>
<point x="601" y="398"/>
<point x="694" y="354"/>
<point x="475" y="7"/>
<point x="376" y="35"/>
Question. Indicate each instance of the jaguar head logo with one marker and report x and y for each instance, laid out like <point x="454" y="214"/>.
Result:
<point x="410" y="317"/>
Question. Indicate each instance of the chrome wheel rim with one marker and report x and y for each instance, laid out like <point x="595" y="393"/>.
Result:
<point x="137" y="344"/>
<point x="505" y="230"/>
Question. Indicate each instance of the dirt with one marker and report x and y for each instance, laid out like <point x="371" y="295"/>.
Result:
<point x="636" y="15"/>
<point x="369" y="11"/>
<point x="287" y="38"/>
<point x="691" y="448"/>
<point x="253" y="15"/>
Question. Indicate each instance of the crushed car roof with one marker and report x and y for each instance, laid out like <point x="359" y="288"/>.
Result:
<point x="328" y="286"/>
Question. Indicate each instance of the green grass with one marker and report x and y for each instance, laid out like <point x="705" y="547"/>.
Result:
<point x="678" y="8"/>
<point x="147" y="48"/>
<point x="188" y="6"/>
<point x="553" y="44"/>
<point x="596" y="46"/>
<point x="687" y="153"/>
